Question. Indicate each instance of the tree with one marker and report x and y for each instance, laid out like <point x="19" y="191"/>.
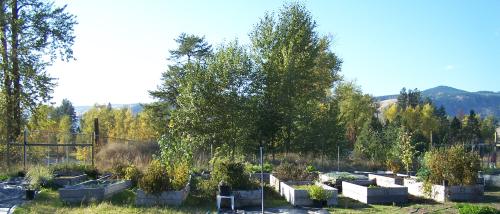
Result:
<point x="455" y="134"/>
<point x="296" y="69"/>
<point x="65" y="109"/>
<point x="32" y="35"/>
<point x="407" y="149"/>
<point x="192" y="50"/>
<point x="471" y="127"/>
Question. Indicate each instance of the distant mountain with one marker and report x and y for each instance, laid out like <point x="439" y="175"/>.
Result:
<point x="459" y="102"/>
<point x="135" y="107"/>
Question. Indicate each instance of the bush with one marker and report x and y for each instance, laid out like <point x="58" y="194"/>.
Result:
<point x="155" y="179"/>
<point x="39" y="176"/>
<point x="318" y="193"/>
<point x="231" y="172"/>
<point x="133" y="173"/>
<point x="289" y="171"/>
<point x="455" y="165"/>
<point x="474" y="209"/>
<point x="310" y="169"/>
<point x="180" y="175"/>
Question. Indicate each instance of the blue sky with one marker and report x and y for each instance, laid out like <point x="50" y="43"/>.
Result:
<point x="122" y="46"/>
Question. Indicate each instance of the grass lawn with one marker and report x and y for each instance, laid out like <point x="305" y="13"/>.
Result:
<point x="48" y="202"/>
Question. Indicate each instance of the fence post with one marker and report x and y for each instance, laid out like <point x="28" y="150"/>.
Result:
<point x="95" y="142"/>
<point x="25" y="141"/>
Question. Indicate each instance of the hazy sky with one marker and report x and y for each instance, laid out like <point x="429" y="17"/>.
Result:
<point x="122" y="45"/>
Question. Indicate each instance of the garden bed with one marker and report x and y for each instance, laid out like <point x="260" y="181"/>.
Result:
<point x="387" y="180"/>
<point x="275" y="183"/>
<point x="334" y="179"/>
<point x="256" y="176"/>
<point x="369" y="192"/>
<point x="491" y="180"/>
<point x="300" y="197"/>
<point x="62" y="181"/>
<point x="442" y="193"/>
<point x="247" y="198"/>
<point x="93" y="190"/>
<point x="174" y="197"/>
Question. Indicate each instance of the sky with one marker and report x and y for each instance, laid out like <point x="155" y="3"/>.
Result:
<point x="122" y="46"/>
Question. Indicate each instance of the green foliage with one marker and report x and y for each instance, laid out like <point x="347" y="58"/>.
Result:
<point x="318" y="193"/>
<point x="311" y="169"/>
<point x="256" y="168"/>
<point x="38" y="176"/>
<point x="231" y="172"/>
<point x="174" y="151"/>
<point x="291" y="171"/>
<point x="455" y="165"/>
<point x="407" y="150"/>
<point x="180" y="175"/>
<point x="475" y="209"/>
<point x="133" y="173"/>
<point x="155" y="179"/>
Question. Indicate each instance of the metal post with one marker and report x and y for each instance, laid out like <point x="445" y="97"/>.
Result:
<point x="338" y="158"/>
<point x="262" y="179"/>
<point x="95" y="142"/>
<point x="25" y="141"/>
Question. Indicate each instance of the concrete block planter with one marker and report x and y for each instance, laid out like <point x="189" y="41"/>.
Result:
<point x="386" y="180"/>
<point x="492" y="180"/>
<point x="442" y="193"/>
<point x="92" y="191"/>
<point x="359" y="190"/>
<point x="247" y="198"/>
<point x="173" y="197"/>
<point x="334" y="179"/>
<point x="69" y="180"/>
<point x="300" y="197"/>
<point x="275" y="182"/>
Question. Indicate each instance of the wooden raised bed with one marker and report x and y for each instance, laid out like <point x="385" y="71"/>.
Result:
<point x="359" y="190"/>
<point x="442" y="193"/>
<point x="93" y="190"/>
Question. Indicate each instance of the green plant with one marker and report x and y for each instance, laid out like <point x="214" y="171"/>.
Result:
<point x="133" y="173"/>
<point x="180" y="175"/>
<point x="288" y="171"/>
<point x="474" y="209"/>
<point x="39" y="176"/>
<point x="256" y="168"/>
<point x="231" y="172"/>
<point x="310" y="169"/>
<point x="318" y="193"/>
<point x="155" y="179"/>
<point x="373" y="186"/>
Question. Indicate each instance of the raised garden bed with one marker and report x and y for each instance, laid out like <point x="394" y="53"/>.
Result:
<point x="491" y="180"/>
<point x="62" y="181"/>
<point x="174" y="197"/>
<point x="370" y="193"/>
<point x="256" y="176"/>
<point x="275" y="182"/>
<point x="334" y="179"/>
<point x="247" y="198"/>
<point x="387" y="180"/>
<point x="441" y="193"/>
<point x="300" y="197"/>
<point x="93" y="190"/>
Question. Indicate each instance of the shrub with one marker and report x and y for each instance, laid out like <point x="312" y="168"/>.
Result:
<point x="231" y="172"/>
<point x="288" y="171"/>
<point x="455" y="165"/>
<point x="180" y="175"/>
<point x="474" y="209"/>
<point x="39" y="176"/>
<point x="310" y="169"/>
<point x="155" y="179"/>
<point x="393" y="165"/>
<point x="318" y="193"/>
<point x="133" y="173"/>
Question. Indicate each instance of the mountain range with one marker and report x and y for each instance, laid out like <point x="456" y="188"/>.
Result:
<point x="457" y="101"/>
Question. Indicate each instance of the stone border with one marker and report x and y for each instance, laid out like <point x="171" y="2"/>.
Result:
<point x="82" y="193"/>
<point x="442" y="193"/>
<point x="173" y="197"/>
<point x="298" y="197"/>
<point x="380" y="195"/>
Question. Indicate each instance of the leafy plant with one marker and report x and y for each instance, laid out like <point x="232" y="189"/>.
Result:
<point x="474" y="209"/>
<point x="38" y="176"/>
<point x="180" y="175"/>
<point x="231" y="172"/>
<point x="256" y="168"/>
<point x="288" y="171"/>
<point x="155" y="179"/>
<point x="318" y="193"/>
<point x="133" y="173"/>
<point x="311" y="169"/>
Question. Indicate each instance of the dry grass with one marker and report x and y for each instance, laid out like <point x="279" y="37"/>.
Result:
<point x="112" y="154"/>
